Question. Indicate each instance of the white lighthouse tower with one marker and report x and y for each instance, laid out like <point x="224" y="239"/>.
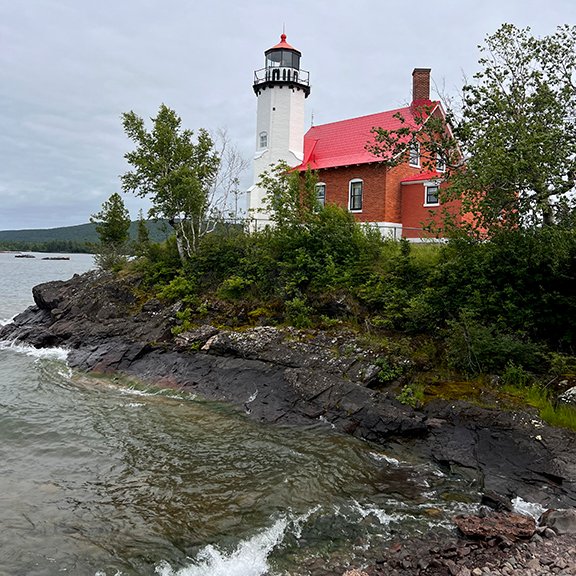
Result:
<point x="281" y="88"/>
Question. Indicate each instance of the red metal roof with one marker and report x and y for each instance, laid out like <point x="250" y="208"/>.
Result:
<point x="422" y="177"/>
<point x="343" y="143"/>
<point x="282" y="44"/>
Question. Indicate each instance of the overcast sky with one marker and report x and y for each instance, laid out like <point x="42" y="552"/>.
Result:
<point x="70" y="68"/>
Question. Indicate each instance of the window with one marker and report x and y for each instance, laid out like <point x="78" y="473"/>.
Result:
<point x="263" y="139"/>
<point x="440" y="164"/>
<point x="414" y="154"/>
<point x="431" y="198"/>
<point x="355" y="196"/>
<point x="321" y="193"/>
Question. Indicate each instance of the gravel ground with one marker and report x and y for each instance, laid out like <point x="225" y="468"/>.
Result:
<point x="541" y="555"/>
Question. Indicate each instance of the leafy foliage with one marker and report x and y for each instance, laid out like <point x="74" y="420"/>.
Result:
<point x="176" y="172"/>
<point x="510" y="153"/>
<point x="519" y="130"/>
<point x="112" y="225"/>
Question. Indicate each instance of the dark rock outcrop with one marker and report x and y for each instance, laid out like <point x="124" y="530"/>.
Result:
<point x="289" y="376"/>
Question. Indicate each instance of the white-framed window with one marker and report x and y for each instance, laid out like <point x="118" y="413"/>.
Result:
<point x="440" y="163"/>
<point x="414" y="159"/>
<point x="321" y="193"/>
<point x="355" y="192"/>
<point x="263" y="139"/>
<point x="431" y="195"/>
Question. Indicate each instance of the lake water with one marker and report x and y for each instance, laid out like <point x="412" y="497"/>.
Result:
<point x="106" y="478"/>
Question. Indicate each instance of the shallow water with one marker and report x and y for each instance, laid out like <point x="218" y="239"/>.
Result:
<point x="103" y="477"/>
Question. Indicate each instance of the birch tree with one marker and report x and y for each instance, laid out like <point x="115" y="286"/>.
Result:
<point x="176" y="170"/>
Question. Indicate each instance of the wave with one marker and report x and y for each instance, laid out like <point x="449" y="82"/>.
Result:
<point x="250" y="558"/>
<point x="39" y="353"/>
<point x="526" y="508"/>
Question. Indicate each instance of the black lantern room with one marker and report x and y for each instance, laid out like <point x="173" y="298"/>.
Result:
<point x="282" y="69"/>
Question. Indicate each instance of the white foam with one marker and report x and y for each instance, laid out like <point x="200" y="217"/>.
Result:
<point x="39" y="353"/>
<point x="527" y="508"/>
<point x="383" y="457"/>
<point x="249" y="559"/>
<point x="369" y="510"/>
<point x="164" y="393"/>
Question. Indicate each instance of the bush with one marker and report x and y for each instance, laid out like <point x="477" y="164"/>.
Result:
<point x="474" y="348"/>
<point x="298" y="313"/>
<point x="177" y="289"/>
<point x="233" y="288"/>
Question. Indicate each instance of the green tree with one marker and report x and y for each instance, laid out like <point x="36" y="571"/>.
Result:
<point x="516" y="132"/>
<point x="175" y="171"/>
<point x="519" y="129"/>
<point x="112" y="225"/>
<point x="290" y="197"/>
<point x="142" y="235"/>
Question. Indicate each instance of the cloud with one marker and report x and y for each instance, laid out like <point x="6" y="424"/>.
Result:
<point x="69" y="69"/>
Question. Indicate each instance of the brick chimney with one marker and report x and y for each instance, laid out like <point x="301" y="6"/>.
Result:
<point x="420" y="86"/>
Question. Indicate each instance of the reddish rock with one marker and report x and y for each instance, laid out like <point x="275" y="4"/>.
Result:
<point x="499" y="525"/>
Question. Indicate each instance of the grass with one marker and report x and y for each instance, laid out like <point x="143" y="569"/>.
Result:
<point x="563" y="416"/>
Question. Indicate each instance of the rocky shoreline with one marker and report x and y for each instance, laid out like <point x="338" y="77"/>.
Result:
<point x="288" y="376"/>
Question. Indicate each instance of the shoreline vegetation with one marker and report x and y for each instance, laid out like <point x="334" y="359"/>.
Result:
<point x="462" y="319"/>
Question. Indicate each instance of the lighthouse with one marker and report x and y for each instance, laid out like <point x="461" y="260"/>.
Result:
<point x="281" y="88"/>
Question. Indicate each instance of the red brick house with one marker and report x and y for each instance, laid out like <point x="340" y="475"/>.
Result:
<point x="400" y="200"/>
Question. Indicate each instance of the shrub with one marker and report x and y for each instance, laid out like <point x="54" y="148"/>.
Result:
<point x="233" y="288"/>
<point x="179" y="288"/>
<point x="298" y="313"/>
<point x="411" y="395"/>
<point x="475" y="348"/>
<point x="388" y="371"/>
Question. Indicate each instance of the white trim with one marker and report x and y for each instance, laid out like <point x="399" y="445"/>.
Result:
<point x="391" y="230"/>
<point x="350" y="182"/>
<point x="410" y="147"/>
<point x="426" y="187"/>
<point x="439" y="159"/>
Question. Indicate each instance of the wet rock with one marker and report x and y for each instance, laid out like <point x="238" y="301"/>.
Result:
<point x="496" y="501"/>
<point x="562" y="521"/>
<point x="497" y="525"/>
<point x="568" y="396"/>
<point x="294" y="376"/>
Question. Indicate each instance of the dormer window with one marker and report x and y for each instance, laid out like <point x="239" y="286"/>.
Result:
<point x="440" y="163"/>
<point x="263" y="139"/>
<point x="414" y="155"/>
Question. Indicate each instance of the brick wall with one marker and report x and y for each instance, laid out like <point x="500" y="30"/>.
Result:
<point x="381" y="190"/>
<point x="416" y="215"/>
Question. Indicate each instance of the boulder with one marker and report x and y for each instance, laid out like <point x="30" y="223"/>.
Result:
<point x="498" y="525"/>
<point x="562" y="521"/>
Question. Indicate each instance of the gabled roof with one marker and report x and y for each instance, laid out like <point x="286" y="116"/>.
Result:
<point x="344" y="143"/>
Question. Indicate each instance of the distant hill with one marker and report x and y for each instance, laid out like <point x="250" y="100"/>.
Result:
<point x="83" y="233"/>
<point x="69" y="239"/>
